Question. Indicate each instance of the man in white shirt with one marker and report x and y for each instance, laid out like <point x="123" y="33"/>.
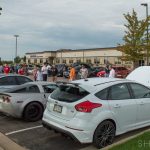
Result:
<point x="44" y="72"/>
<point x="84" y="72"/>
<point x="112" y="72"/>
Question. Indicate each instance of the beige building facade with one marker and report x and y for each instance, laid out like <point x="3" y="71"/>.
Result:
<point x="96" y="56"/>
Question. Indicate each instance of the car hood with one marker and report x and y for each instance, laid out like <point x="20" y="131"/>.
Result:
<point x="141" y="75"/>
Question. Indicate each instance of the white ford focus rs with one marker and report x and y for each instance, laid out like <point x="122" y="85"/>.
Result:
<point x="96" y="110"/>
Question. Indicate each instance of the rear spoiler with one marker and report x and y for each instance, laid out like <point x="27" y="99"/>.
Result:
<point x="62" y="82"/>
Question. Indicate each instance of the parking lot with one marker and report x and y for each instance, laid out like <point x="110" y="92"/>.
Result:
<point x="33" y="136"/>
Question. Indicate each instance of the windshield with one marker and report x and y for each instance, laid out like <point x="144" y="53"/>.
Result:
<point x="69" y="93"/>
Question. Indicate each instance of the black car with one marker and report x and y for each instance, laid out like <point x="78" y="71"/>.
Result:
<point x="12" y="80"/>
<point x="61" y="68"/>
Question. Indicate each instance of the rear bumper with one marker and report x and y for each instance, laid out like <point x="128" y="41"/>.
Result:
<point x="9" y="110"/>
<point x="72" y="128"/>
<point x="52" y="127"/>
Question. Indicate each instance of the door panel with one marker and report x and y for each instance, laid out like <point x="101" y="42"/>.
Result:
<point x="123" y="107"/>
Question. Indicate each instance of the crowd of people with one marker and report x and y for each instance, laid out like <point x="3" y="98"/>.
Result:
<point x="41" y="73"/>
<point x="18" y="69"/>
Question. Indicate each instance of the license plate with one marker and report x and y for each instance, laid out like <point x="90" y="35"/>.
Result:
<point x="57" y="108"/>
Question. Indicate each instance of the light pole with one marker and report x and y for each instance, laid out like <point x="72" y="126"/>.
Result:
<point x="16" y="36"/>
<point x="147" y="53"/>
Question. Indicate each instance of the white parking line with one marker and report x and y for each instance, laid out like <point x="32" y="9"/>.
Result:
<point x="22" y="130"/>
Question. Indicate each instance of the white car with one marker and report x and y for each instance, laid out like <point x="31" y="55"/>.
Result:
<point x="98" y="109"/>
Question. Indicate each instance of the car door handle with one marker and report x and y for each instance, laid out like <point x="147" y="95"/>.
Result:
<point x="117" y="106"/>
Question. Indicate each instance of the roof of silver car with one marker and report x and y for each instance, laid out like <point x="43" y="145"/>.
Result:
<point x="39" y="83"/>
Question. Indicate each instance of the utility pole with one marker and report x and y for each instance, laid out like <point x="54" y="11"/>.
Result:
<point x="147" y="52"/>
<point x="16" y="36"/>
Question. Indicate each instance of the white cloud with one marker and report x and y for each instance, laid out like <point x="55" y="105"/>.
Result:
<point x="54" y="24"/>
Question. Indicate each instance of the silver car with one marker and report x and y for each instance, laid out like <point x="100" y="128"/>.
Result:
<point x="12" y="80"/>
<point x="26" y="101"/>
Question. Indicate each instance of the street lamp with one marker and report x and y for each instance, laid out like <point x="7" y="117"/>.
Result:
<point x="16" y="36"/>
<point x="147" y="53"/>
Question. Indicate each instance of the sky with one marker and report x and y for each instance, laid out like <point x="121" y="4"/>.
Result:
<point x="47" y="25"/>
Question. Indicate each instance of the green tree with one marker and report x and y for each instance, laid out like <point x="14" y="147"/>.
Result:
<point x="17" y="59"/>
<point x="134" y="47"/>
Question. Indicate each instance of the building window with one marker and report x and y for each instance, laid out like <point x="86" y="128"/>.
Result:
<point x="29" y="61"/>
<point x="96" y="60"/>
<point x="35" y="61"/>
<point x="57" y="60"/>
<point x="88" y="60"/>
<point x="70" y="61"/>
<point x="79" y="60"/>
<point x="41" y="61"/>
<point x="64" y="61"/>
<point x="117" y="60"/>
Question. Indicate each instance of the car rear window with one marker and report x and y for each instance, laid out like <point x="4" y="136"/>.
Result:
<point x="68" y="93"/>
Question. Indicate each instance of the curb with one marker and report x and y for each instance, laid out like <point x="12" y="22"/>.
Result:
<point x="124" y="140"/>
<point x="7" y="144"/>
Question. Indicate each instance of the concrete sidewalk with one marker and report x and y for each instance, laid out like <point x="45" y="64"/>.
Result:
<point x="7" y="144"/>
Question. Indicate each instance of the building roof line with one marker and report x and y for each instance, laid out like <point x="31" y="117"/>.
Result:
<point x="72" y="50"/>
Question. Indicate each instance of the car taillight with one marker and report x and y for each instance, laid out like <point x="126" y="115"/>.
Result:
<point x="6" y="99"/>
<point x="87" y="106"/>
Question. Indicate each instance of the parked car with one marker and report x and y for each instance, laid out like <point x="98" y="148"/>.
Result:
<point x="26" y="101"/>
<point x="98" y="109"/>
<point x="60" y="68"/>
<point x="97" y="69"/>
<point x="121" y="72"/>
<point x="12" y="80"/>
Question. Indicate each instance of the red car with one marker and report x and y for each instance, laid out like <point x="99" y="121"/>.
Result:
<point x="121" y="72"/>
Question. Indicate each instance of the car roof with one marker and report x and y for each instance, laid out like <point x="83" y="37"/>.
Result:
<point x="39" y="83"/>
<point x="28" y="84"/>
<point x="97" y="81"/>
<point x="11" y="74"/>
<point x="93" y="83"/>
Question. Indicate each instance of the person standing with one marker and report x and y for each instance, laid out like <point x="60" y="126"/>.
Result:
<point x="54" y="72"/>
<point x="84" y="72"/>
<point x="6" y="69"/>
<point x="107" y="71"/>
<point x="35" y="72"/>
<point x="49" y="70"/>
<point x="72" y="73"/>
<point x="112" y="72"/>
<point x="21" y="71"/>
<point x="1" y="68"/>
<point x="39" y="75"/>
<point x="44" y="72"/>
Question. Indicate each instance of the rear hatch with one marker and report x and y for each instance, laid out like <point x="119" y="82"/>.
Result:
<point x="62" y="101"/>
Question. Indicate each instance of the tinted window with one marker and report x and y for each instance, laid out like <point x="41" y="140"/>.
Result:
<point x="119" y="92"/>
<point x="23" y="80"/>
<point x="9" y="80"/>
<point x="102" y="94"/>
<point x="140" y="91"/>
<point x="34" y="89"/>
<point x="49" y="88"/>
<point x="68" y="93"/>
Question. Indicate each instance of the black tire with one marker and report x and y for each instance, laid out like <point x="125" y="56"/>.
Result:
<point x="33" y="112"/>
<point x="104" y="134"/>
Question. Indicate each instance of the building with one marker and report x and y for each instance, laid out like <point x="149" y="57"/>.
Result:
<point x="96" y="56"/>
